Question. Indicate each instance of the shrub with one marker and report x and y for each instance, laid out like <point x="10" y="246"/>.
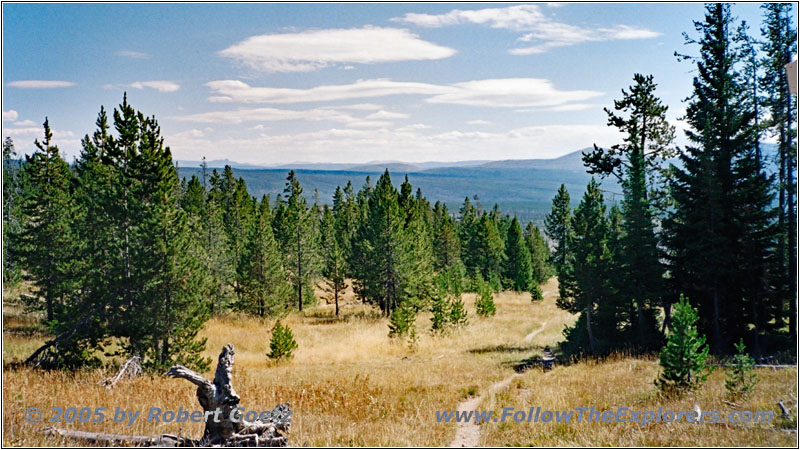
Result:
<point x="282" y="344"/>
<point x="536" y="292"/>
<point x="683" y="358"/>
<point x="484" y="304"/>
<point x="458" y="313"/>
<point x="740" y="376"/>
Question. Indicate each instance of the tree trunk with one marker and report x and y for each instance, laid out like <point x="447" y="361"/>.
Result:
<point x="589" y="327"/>
<point x="220" y="396"/>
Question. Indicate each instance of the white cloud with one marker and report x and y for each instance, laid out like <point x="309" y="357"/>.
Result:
<point x="160" y="86"/>
<point x="480" y="122"/>
<point x="274" y="114"/>
<point x="36" y="132"/>
<point x="311" y="50"/>
<point x="10" y="115"/>
<point x="382" y="114"/>
<point x="545" y="31"/>
<point x="133" y="54"/>
<point x="413" y="127"/>
<point x="504" y="92"/>
<point x="227" y="91"/>
<point x="360" y="145"/>
<point x="25" y="123"/>
<point x="361" y="107"/>
<point x="40" y="84"/>
<point x="510" y="92"/>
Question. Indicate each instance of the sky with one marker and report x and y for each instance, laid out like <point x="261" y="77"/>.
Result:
<point x="273" y="84"/>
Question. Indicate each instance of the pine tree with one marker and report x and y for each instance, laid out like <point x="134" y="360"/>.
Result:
<point x="418" y="278"/>
<point x="740" y="377"/>
<point x="382" y="244"/>
<point x="346" y="219"/>
<point x="262" y="278"/>
<point x="333" y="257"/>
<point x="282" y="344"/>
<point x="780" y="47"/>
<point x="11" y="210"/>
<point x="484" y="302"/>
<point x="490" y="251"/>
<point x="683" y="358"/>
<point x="637" y="164"/>
<point x="45" y="240"/>
<point x="557" y="227"/>
<point x="585" y="281"/>
<point x="467" y="234"/>
<point x="170" y="308"/>
<point x="717" y="187"/>
<point x="518" y="259"/>
<point x="447" y="248"/>
<point x="541" y="269"/>
<point x="300" y="241"/>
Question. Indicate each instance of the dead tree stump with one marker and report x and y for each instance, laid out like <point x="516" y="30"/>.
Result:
<point x="269" y="430"/>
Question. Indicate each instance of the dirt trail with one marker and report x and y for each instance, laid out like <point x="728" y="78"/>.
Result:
<point x="468" y="434"/>
<point x="533" y="333"/>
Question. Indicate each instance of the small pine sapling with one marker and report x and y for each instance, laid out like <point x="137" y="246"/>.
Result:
<point x="282" y="344"/>
<point x="683" y="358"/>
<point x="740" y="376"/>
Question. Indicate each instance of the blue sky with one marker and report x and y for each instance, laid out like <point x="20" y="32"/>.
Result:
<point x="278" y="83"/>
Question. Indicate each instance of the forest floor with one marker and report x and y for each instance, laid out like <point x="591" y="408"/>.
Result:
<point x="350" y="385"/>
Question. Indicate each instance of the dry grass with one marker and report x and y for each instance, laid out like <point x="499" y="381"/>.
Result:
<point x="628" y="382"/>
<point x="350" y="385"/>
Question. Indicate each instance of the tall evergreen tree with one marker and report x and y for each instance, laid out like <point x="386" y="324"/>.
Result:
<point x="638" y="164"/>
<point x="333" y="257"/>
<point x="490" y="250"/>
<point x="45" y="241"/>
<point x="780" y="47"/>
<point x="382" y="242"/>
<point x="518" y="259"/>
<point x="265" y="290"/>
<point x="11" y="210"/>
<point x="299" y="238"/>
<point x="557" y="226"/>
<point x="585" y="281"/>
<point x="717" y="187"/>
<point x="540" y="254"/>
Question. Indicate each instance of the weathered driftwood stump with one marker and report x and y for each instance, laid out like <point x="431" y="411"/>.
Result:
<point x="269" y="430"/>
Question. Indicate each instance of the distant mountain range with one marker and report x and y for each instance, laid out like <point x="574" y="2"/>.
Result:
<point x="521" y="187"/>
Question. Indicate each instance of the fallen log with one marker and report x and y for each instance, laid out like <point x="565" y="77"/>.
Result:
<point x="229" y="429"/>
<point x="166" y="440"/>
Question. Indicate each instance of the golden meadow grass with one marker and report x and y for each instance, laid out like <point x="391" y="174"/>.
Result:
<point x="350" y="385"/>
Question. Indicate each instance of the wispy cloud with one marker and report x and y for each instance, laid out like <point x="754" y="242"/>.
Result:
<point x="408" y="143"/>
<point x="510" y="92"/>
<point x="275" y="114"/>
<point x="240" y="92"/>
<point x="10" y="115"/>
<point x="36" y="131"/>
<point x="382" y="114"/>
<point x="311" y="50"/>
<point x="160" y="86"/>
<point x="133" y="54"/>
<point x="480" y="122"/>
<point x="543" y="30"/>
<point x="502" y="92"/>
<point x="25" y="123"/>
<point x="40" y="84"/>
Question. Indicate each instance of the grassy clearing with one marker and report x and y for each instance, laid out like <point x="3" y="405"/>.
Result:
<point x="350" y="385"/>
